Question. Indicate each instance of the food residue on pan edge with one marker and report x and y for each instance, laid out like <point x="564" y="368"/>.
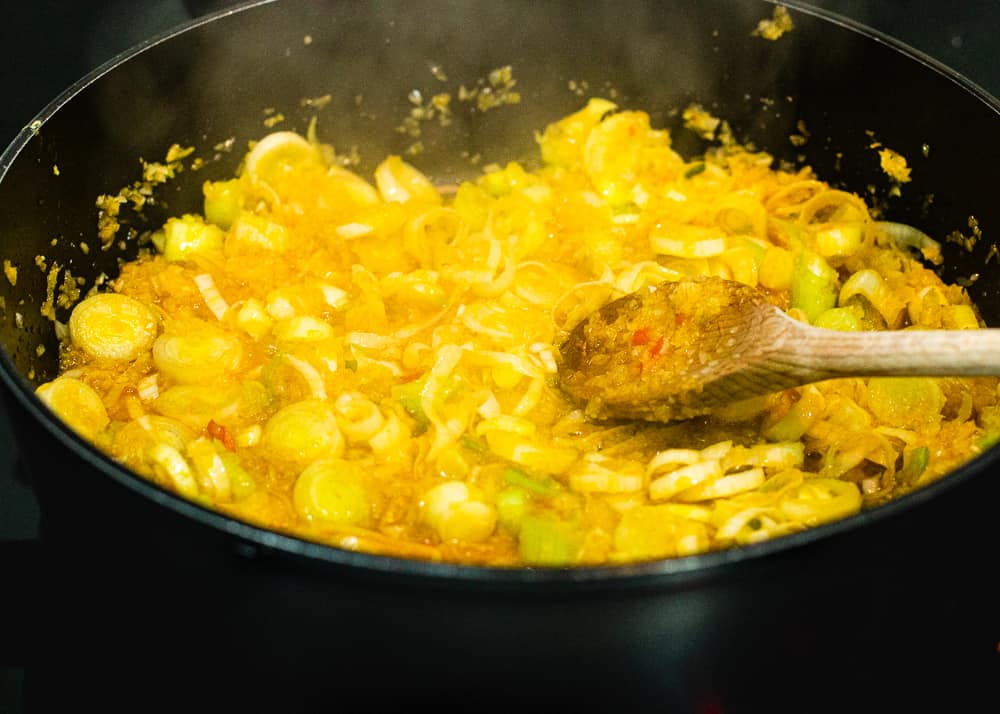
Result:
<point x="10" y="271"/>
<point x="709" y="127"/>
<point x="777" y="25"/>
<point x="494" y="90"/>
<point x="141" y="191"/>
<point x="802" y="137"/>
<point x="700" y="121"/>
<point x="272" y="117"/>
<point x="894" y="165"/>
<point x="316" y="102"/>
<point x="967" y="242"/>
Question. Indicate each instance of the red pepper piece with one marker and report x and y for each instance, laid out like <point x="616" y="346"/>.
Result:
<point x="218" y="431"/>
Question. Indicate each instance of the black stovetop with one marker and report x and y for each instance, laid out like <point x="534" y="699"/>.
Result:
<point x="48" y="44"/>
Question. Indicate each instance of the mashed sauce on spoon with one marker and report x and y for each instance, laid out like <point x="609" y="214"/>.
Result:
<point x="681" y="349"/>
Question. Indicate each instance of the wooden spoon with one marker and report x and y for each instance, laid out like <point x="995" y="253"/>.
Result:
<point x="685" y="348"/>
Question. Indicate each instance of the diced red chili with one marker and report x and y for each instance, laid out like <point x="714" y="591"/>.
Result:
<point x="657" y="348"/>
<point x="640" y="336"/>
<point x="218" y="431"/>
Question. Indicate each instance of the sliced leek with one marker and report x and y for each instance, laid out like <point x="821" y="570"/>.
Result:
<point x="303" y="432"/>
<point x="332" y="491"/>
<point x="113" y="326"/>
<point x="77" y="403"/>
<point x="196" y="352"/>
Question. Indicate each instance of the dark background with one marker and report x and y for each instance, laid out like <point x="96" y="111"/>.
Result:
<point x="47" y="45"/>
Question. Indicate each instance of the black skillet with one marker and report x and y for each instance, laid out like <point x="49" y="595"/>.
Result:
<point x="172" y="600"/>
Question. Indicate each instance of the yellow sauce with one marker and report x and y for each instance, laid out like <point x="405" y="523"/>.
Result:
<point x="371" y="364"/>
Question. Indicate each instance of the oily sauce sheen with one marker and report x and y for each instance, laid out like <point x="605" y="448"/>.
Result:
<point x="373" y="364"/>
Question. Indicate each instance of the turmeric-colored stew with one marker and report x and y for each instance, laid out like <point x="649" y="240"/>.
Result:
<point x="373" y="365"/>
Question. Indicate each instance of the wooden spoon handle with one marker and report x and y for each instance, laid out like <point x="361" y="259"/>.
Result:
<point x="926" y="353"/>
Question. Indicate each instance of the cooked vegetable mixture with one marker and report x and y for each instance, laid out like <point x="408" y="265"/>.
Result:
<point x="373" y="365"/>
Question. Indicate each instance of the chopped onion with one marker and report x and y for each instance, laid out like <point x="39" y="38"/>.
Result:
<point x="819" y="500"/>
<point x="490" y="408"/>
<point x="469" y="521"/>
<point x="735" y="523"/>
<point x="334" y="296"/>
<point x="688" y="243"/>
<point x="440" y="499"/>
<point x="210" y="294"/>
<point x="364" y="361"/>
<point x="521" y="363"/>
<point x="777" y="456"/>
<point x="503" y="422"/>
<point x="173" y="468"/>
<point x="593" y="477"/>
<point x="279" y="307"/>
<point x="249" y="436"/>
<point x="400" y="182"/>
<point x="549" y="361"/>
<point x="907" y="436"/>
<point x="448" y="358"/>
<point x="310" y="374"/>
<point x="390" y="440"/>
<point x="368" y="340"/>
<point x="253" y="318"/>
<point x="209" y="469"/>
<point x="354" y="230"/>
<point x="148" y="387"/>
<point x="530" y="398"/>
<point x="277" y="152"/>
<point x="303" y="328"/>
<point x="673" y="457"/>
<point x="717" y="451"/>
<point x="474" y="321"/>
<point x="357" y="416"/>
<point x="724" y="486"/>
<point x="643" y="274"/>
<point x="684" y="478"/>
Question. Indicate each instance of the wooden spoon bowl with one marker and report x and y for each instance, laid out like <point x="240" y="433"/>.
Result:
<point x="684" y="348"/>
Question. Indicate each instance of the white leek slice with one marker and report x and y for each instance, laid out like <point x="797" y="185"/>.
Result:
<point x="211" y="295"/>
<point x="684" y="478"/>
<point x="112" y="326"/>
